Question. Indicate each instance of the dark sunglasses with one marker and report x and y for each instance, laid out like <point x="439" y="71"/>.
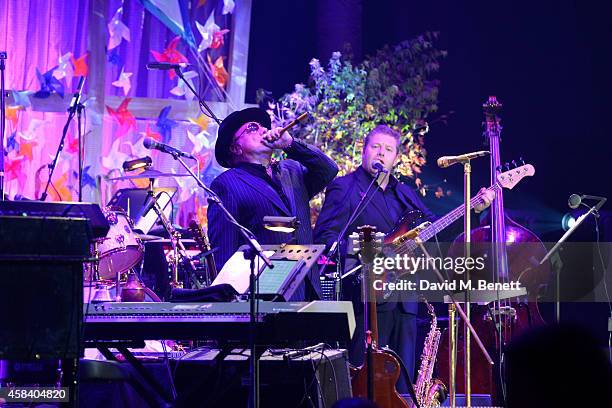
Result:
<point x="251" y="127"/>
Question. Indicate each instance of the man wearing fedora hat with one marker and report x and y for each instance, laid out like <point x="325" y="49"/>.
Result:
<point x="254" y="187"/>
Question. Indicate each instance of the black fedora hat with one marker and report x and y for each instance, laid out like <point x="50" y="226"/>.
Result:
<point x="229" y="127"/>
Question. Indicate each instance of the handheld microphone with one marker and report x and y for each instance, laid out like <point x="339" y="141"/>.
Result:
<point x="446" y="161"/>
<point x="165" y="66"/>
<point x="379" y="167"/>
<point x="150" y="143"/>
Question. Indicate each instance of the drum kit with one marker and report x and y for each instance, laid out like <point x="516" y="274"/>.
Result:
<point x="113" y="277"/>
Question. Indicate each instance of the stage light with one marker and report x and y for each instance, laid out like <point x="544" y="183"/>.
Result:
<point x="143" y="162"/>
<point x="281" y="224"/>
<point x="568" y="221"/>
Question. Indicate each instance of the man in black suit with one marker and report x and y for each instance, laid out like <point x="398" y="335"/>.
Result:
<point x="389" y="200"/>
<point x="253" y="187"/>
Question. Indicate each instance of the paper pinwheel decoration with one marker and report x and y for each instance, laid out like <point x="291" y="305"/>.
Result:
<point x="64" y="69"/>
<point x="202" y="121"/>
<point x="22" y="98"/>
<point x="170" y="54"/>
<point x="12" y="143"/>
<point x="212" y="35"/>
<point x="60" y="190"/>
<point x="117" y="30"/>
<point x="124" y="81"/>
<point x="48" y="84"/>
<point x="181" y="89"/>
<point x="218" y="71"/>
<point x="228" y="6"/>
<point x="73" y="145"/>
<point x="200" y="142"/>
<point x="164" y="124"/>
<point x="25" y="149"/>
<point x="87" y="179"/>
<point x="114" y="158"/>
<point x="123" y="116"/>
<point x="11" y="114"/>
<point x="80" y="65"/>
<point x="151" y="133"/>
<point x="12" y="166"/>
<point x="114" y="58"/>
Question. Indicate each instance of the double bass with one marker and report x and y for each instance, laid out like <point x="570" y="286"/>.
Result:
<point x="511" y="252"/>
<point x="376" y="378"/>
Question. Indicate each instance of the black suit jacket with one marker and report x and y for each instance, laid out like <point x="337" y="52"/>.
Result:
<point x="341" y="198"/>
<point x="248" y="198"/>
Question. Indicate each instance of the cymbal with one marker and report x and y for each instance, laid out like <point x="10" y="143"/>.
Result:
<point x="150" y="174"/>
<point x="146" y="238"/>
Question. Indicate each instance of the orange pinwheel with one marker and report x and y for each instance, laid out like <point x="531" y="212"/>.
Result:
<point x="80" y="65"/>
<point x="218" y="70"/>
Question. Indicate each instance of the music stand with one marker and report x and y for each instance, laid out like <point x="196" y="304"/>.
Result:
<point x="291" y="265"/>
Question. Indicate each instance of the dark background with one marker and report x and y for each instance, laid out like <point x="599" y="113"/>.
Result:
<point x="548" y="63"/>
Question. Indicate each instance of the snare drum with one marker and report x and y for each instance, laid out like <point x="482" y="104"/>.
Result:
<point x="121" y="249"/>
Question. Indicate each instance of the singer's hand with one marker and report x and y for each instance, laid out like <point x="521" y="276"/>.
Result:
<point x="487" y="197"/>
<point x="274" y="140"/>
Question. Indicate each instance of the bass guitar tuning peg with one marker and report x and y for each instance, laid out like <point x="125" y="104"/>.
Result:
<point x="522" y="160"/>
<point x="514" y="164"/>
<point x="507" y="166"/>
<point x="499" y="169"/>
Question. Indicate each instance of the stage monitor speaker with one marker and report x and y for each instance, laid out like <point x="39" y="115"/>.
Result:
<point x="41" y="290"/>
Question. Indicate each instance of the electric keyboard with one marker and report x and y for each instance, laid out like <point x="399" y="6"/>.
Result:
<point x="276" y="322"/>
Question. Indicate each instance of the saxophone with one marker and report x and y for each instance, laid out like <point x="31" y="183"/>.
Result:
<point x="429" y="393"/>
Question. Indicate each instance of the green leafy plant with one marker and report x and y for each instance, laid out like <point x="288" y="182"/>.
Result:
<point x="395" y="86"/>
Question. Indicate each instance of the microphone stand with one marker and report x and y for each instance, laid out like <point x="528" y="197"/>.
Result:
<point x="254" y="251"/>
<point x="76" y="106"/>
<point x="2" y="122"/>
<point x="334" y="249"/>
<point x="592" y="210"/>
<point x="200" y="100"/>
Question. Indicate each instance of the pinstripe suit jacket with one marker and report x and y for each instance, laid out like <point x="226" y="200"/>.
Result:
<point x="248" y="198"/>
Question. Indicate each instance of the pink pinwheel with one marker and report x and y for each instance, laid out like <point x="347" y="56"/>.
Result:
<point x="123" y="116"/>
<point x="148" y="132"/>
<point x="170" y="54"/>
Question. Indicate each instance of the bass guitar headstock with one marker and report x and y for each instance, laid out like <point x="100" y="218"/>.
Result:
<point x="512" y="177"/>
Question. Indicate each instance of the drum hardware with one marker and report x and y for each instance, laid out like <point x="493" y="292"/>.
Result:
<point x="149" y="173"/>
<point x="179" y="251"/>
<point x="146" y="237"/>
